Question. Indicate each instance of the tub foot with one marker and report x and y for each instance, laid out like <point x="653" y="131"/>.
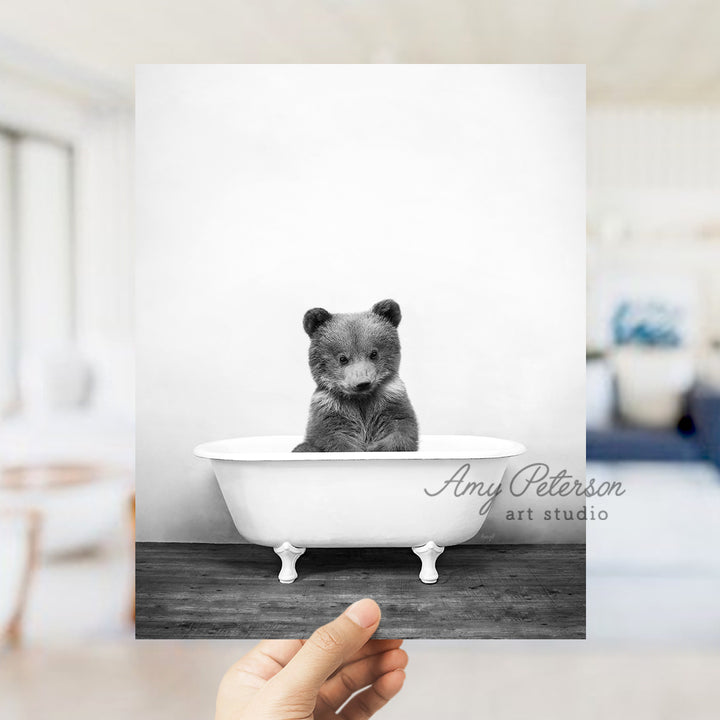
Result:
<point x="428" y="554"/>
<point x="288" y="554"/>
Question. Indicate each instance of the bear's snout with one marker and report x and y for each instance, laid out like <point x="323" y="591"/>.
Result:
<point x="359" y="377"/>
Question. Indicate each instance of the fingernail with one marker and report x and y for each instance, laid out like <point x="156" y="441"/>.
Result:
<point x="364" y="613"/>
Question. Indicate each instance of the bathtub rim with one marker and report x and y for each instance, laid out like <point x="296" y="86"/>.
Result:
<point x="217" y="450"/>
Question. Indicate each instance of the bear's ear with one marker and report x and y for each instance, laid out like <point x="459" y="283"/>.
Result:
<point x="314" y="319"/>
<point x="389" y="310"/>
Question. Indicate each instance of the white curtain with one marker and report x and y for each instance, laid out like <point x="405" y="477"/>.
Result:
<point x="8" y="387"/>
<point x="45" y="264"/>
<point x="37" y="285"/>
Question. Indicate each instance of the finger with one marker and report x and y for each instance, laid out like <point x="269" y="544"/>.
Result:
<point x="281" y="651"/>
<point x="365" y="704"/>
<point x="328" y="648"/>
<point x="243" y="679"/>
<point x="263" y="662"/>
<point x="373" y="647"/>
<point x="382" y="643"/>
<point x="358" y="675"/>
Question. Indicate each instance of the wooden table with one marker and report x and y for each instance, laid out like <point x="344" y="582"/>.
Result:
<point x="48" y="478"/>
<point x="190" y="590"/>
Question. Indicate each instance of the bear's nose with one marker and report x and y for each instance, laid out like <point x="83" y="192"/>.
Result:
<point x="363" y="386"/>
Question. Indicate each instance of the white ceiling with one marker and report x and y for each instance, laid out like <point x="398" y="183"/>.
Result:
<point x="635" y="50"/>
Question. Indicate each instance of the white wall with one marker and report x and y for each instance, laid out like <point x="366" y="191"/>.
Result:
<point x="653" y="210"/>
<point x="105" y="256"/>
<point x="8" y="380"/>
<point x="266" y="190"/>
<point x="90" y="266"/>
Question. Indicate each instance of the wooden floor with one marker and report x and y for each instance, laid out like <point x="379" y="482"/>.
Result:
<point x="189" y="590"/>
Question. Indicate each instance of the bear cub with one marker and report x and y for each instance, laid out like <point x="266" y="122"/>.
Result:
<point x="360" y="403"/>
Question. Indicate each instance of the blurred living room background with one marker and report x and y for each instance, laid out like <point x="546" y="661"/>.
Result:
<point x="653" y="368"/>
<point x="66" y="341"/>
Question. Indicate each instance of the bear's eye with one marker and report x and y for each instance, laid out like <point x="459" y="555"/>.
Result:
<point x="343" y="360"/>
<point x="373" y="355"/>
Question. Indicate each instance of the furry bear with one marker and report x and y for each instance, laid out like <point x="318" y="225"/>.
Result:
<point x="360" y="402"/>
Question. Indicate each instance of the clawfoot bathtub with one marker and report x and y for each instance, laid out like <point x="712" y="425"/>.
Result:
<point x="424" y="500"/>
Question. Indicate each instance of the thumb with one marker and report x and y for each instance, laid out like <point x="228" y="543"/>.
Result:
<point x="328" y="648"/>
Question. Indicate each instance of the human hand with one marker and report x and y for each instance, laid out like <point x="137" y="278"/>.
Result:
<point x="312" y="679"/>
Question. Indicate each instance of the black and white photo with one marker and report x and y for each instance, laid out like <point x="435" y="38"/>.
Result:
<point x="361" y="301"/>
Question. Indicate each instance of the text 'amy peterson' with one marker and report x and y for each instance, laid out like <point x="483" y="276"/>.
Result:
<point x="534" y="477"/>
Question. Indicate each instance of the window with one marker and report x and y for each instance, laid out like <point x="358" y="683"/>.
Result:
<point x="37" y="266"/>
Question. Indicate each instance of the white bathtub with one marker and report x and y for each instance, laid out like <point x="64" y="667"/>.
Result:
<point x="293" y="501"/>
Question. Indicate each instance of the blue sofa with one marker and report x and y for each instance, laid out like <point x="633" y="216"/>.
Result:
<point x="696" y="438"/>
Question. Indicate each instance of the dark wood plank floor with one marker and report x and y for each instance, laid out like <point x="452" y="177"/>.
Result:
<point x="189" y="590"/>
